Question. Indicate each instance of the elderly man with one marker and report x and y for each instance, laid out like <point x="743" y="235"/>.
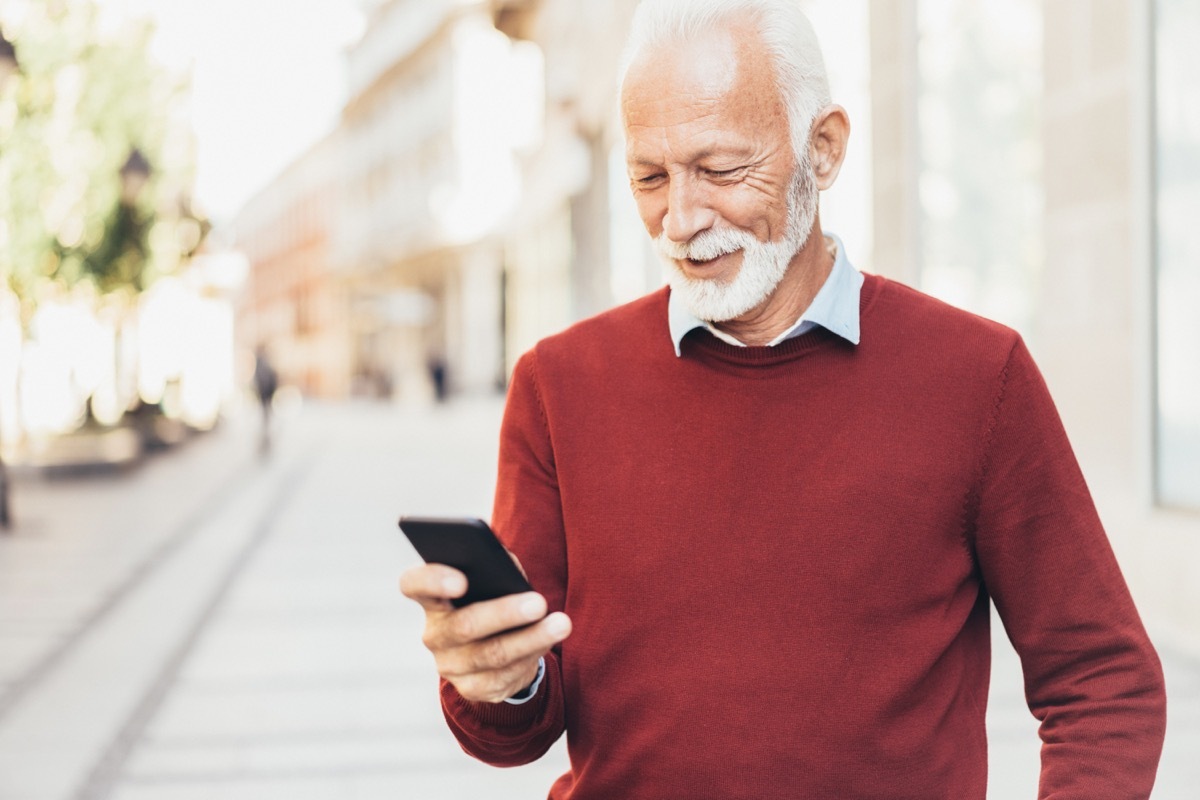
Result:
<point x="766" y="508"/>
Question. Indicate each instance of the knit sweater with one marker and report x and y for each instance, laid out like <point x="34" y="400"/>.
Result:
<point x="778" y="562"/>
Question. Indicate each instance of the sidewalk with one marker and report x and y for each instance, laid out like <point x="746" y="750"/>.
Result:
<point x="212" y="626"/>
<point x="215" y="626"/>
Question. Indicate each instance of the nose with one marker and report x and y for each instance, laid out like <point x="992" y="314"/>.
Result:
<point x="688" y="211"/>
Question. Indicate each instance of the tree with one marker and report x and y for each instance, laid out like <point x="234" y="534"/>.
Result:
<point x="88" y="97"/>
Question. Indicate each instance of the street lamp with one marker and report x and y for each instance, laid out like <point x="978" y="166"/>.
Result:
<point x="8" y="66"/>
<point x="134" y="174"/>
<point x="8" y="58"/>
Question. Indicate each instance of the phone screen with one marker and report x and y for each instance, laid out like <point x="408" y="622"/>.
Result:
<point x="470" y="546"/>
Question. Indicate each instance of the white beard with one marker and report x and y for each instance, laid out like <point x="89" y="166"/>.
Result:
<point x="763" y="263"/>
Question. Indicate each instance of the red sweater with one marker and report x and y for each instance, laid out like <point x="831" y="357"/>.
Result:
<point x="778" y="563"/>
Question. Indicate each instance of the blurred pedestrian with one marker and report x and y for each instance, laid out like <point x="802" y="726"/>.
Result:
<point x="436" y="365"/>
<point x="774" y="499"/>
<point x="266" y="382"/>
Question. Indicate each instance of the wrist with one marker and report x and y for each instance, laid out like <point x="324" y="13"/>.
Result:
<point x="528" y="693"/>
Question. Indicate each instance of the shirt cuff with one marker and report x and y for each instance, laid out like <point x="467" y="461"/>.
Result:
<point x="525" y="695"/>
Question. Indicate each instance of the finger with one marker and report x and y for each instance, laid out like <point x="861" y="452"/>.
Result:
<point x="433" y="585"/>
<point x="500" y="654"/>
<point x="484" y="619"/>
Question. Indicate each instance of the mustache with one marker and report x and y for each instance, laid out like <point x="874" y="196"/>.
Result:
<point x="705" y="245"/>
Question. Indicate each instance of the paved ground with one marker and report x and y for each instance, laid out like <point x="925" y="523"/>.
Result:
<point x="213" y="625"/>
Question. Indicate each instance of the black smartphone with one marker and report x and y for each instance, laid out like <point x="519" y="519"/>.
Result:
<point x="470" y="546"/>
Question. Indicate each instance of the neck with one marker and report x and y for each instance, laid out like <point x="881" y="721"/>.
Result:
<point x="805" y="276"/>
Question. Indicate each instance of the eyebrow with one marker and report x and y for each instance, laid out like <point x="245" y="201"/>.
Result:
<point x="735" y="153"/>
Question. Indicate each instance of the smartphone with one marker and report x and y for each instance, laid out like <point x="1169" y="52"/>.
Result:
<point x="470" y="546"/>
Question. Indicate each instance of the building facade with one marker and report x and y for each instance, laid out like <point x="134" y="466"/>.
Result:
<point x="293" y="302"/>
<point x="430" y="136"/>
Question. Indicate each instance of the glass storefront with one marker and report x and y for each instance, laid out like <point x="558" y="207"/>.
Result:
<point x="1177" y="248"/>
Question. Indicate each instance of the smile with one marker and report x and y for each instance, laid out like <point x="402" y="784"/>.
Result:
<point x="706" y="264"/>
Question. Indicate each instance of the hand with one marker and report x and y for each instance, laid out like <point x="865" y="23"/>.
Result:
<point x="470" y="646"/>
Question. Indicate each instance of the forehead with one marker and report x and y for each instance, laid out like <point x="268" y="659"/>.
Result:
<point x="716" y="88"/>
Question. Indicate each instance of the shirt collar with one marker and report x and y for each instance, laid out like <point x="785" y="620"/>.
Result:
<point x="835" y="308"/>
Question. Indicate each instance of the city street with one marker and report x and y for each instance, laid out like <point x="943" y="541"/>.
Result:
<point x="216" y="624"/>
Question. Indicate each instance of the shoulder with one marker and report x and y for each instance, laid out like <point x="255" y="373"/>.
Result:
<point x="909" y="324"/>
<point x="895" y="307"/>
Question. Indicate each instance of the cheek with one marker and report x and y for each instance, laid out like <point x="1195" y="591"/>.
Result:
<point x="761" y="214"/>
<point x="652" y="211"/>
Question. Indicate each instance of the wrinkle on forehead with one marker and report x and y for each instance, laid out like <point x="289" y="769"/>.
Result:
<point x="724" y="72"/>
<point x="705" y="67"/>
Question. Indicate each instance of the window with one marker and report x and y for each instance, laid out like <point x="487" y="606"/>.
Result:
<point x="1177" y="248"/>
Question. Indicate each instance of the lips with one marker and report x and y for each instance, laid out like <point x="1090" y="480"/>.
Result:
<point x="706" y="267"/>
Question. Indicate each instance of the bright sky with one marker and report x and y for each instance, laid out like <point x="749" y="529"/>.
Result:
<point x="267" y="82"/>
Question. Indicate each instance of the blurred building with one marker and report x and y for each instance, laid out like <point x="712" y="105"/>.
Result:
<point x="575" y="246"/>
<point x="294" y="301"/>
<point x="440" y="104"/>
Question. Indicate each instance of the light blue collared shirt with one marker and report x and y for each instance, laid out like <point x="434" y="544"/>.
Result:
<point x="835" y="308"/>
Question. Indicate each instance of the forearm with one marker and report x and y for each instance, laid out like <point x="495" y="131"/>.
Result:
<point x="1091" y="674"/>
<point x="1103" y="723"/>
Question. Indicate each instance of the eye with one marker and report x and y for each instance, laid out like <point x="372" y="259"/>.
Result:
<point x="725" y="173"/>
<point x="647" y="181"/>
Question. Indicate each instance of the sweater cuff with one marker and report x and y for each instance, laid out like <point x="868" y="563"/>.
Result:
<point x="503" y="716"/>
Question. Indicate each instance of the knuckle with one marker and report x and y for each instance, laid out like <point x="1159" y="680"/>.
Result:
<point x="446" y="668"/>
<point x="438" y="634"/>
<point x="464" y="628"/>
<point x="515" y="674"/>
<point x="472" y="688"/>
<point x="492" y="655"/>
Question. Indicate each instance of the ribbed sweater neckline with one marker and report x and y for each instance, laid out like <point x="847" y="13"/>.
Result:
<point x="702" y="344"/>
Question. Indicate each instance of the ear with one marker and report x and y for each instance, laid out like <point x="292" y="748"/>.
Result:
<point x="827" y="144"/>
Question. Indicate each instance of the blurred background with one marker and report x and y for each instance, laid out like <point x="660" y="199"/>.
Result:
<point x="375" y="206"/>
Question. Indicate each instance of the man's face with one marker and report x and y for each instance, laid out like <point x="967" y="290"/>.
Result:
<point x="712" y="169"/>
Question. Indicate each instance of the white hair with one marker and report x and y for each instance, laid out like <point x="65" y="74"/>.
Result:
<point x="787" y="37"/>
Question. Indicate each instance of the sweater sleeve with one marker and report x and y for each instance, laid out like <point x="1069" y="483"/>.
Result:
<point x="527" y="517"/>
<point x="1092" y="678"/>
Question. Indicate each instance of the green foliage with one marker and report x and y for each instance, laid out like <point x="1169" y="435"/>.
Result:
<point x="86" y="96"/>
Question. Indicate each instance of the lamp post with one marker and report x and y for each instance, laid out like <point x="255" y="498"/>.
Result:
<point x="8" y="58"/>
<point x="8" y="66"/>
<point x="134" y="174"/>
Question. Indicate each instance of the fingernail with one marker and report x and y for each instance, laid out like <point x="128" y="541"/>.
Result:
<point x="558" y="624"/>
<point x="533" y="607"/>
<point x="452" y="585"/>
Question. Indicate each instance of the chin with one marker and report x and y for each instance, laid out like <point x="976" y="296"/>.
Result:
<point x="717" y="300"/>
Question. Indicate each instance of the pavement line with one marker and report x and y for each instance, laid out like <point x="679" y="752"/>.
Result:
<point x="288" y="774"/>
<point x="184" y="531"/>
<point x="103" y="778"/>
